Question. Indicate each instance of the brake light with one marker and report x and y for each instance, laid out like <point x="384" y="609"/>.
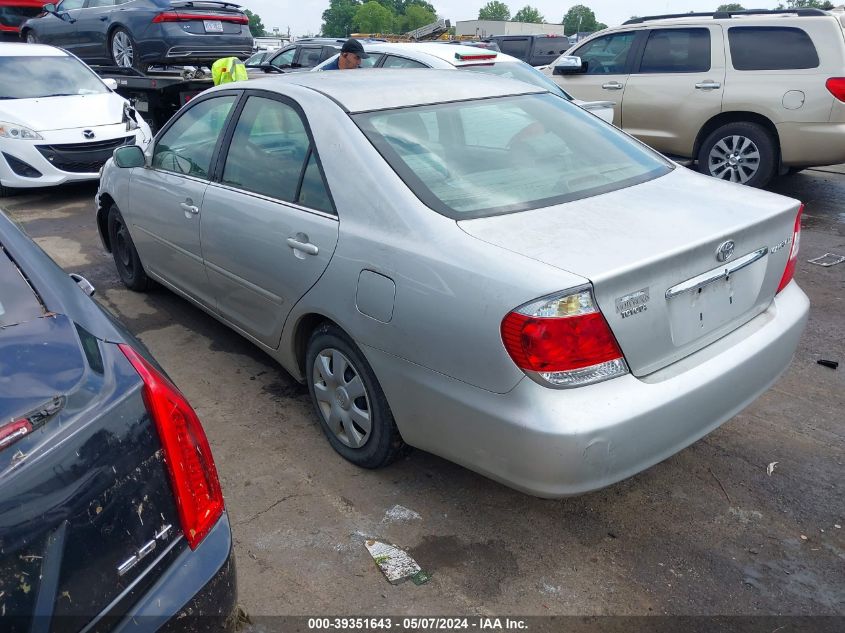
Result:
<point x="190" y="465"/>
<point x="836" y="87"/>
<point x="563" y="341"/>
<point x="13" y="431"/>
<point x="175" y="16"/>
<point x="474" y="57"/>
<point x="789" y="271"/>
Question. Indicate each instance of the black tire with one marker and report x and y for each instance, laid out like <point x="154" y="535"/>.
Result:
<point x="384" y="443"/>
<point x="30" y="37"/>
<point x="122" y="34"/>
<point x="710" y="160"/>
<point x="126" y="260"/>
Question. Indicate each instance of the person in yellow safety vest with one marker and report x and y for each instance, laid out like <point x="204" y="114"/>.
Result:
<point x="227" y="70"/>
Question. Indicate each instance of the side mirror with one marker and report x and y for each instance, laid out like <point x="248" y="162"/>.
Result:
<point x="111" y="84"/>
<point x="50" y="8"/>
<point x="129" y="156"/>
<point x="570" y="65"/>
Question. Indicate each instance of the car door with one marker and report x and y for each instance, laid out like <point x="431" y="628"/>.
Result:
<point x="167" y="197"/>
<point x="607" y="60"/>
<point x="675" y="87"/>
<point x="60" y="30"/>
<point x="269" y="227"/>
<point x="92" y="30"/>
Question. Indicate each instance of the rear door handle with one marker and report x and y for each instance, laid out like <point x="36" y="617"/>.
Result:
<point x="612" y="85"/>
<point x="708" y="85"/>
<point x="305" y="247"/>
<point x="189" y="208"/>
<point x="104" y="18"/>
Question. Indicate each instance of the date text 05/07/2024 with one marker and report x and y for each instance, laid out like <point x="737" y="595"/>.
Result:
<point x="416" y="624"/>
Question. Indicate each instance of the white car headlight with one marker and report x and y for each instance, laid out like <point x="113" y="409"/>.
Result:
<point x="12" y="130"/>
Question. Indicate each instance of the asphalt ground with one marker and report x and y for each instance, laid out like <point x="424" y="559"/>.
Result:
<point x="706" y="532"/>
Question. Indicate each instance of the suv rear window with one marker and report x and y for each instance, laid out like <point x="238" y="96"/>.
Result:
<point x="771" y="48"/>
<point x="484" y="157"/>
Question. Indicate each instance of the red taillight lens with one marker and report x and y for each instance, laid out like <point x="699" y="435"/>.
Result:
<point x="190" y="465"/>
<point x="789" y="271"/>
<point x="836" y="87"/>
<point x="13" y="431"/>
<point x="564" y="339"/>
<point x="175" y="16"/>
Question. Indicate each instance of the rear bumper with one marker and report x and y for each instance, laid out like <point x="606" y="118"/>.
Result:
<point x="555" y="443"/>
<point x="812" y="144"/>
<point x="197" y="593"/>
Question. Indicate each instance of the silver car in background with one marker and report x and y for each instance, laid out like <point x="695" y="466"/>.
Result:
<point x="468" y="265"/>
<point x="470" y="58"/>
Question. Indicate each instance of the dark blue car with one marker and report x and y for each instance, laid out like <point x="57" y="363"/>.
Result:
<point x="140" y="33"/>
<point x="111" y="513"/>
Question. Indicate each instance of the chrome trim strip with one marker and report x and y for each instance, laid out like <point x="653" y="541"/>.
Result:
<point x="712" y="276"/>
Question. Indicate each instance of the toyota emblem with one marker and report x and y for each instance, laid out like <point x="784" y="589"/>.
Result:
<point x="725" y="251"/>
<point x="88" y="134"/>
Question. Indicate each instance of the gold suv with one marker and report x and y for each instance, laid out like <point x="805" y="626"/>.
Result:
<point x="746" y="95"/>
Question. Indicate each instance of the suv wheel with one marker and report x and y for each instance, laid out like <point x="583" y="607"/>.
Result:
<point x="741" y="152"/>
<point x="353" y="411"/>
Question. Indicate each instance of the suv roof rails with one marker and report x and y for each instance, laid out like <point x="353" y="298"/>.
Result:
<point x="725" y="15"/>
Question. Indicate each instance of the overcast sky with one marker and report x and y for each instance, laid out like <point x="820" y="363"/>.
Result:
<point x="305" y="16"/>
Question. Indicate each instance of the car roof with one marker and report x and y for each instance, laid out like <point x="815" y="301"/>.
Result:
<point x="439" y="51"/>
<point x="19" y="49"/>
<point x="369" y="89"/>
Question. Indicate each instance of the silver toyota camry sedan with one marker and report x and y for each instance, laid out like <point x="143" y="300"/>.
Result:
<point x="469" y="265"/>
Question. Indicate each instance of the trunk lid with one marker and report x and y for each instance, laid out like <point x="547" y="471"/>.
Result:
<point x="209" y="17"/>
<point x="86" y="488"/>
<point x="650" y="252"/>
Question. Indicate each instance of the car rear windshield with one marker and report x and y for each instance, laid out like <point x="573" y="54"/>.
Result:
<point x="49" y="76"/>
<point x="771" y="48"/>
<point x="522" y="72"/>
<point x="472" y="159"/>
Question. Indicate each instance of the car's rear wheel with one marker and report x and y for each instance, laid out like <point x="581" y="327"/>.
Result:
<point x="739" y="152"/>
<point x="126" y="259"/>
<point x="349" y="402"/>
<point x="124" y="52"/>
<point x="31" y="38"/>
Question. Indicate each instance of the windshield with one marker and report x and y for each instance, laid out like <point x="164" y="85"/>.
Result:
<point x="49" y="76"/>
<point x="522" y="72"/>
<point x="471" y="159"/>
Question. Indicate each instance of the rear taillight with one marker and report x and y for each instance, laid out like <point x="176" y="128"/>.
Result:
<point x="190" y="465"/>
<point x="175" y="16"/>
<point x="836" y="87"/>
<point x="789" y="271"/>
<point x="563" y="341"/>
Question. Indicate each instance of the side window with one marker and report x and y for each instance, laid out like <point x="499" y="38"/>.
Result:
<point x="270" y="154"/>
<point x="771" y="48"/>
<point x="187" y="147"/>
<point x="400" y="62"/>
<point x="372" y="60"/>
<point x="284" y="59"/>
<point x="607" y="55"/>
<point x="677" y="51"/>
<point x="328" y="51"/>
<point x="517" y="48"/>
<point x="308" y="57"/>
<point x="96" y="4"/>
<point x="70" y="5"/>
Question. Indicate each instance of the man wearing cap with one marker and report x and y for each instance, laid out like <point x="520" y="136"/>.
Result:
<point x="351" y="54"/>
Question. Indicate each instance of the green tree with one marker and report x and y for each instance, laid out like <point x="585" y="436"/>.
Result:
<point x="581" y="19"/>
<point x="494" y="10"/>
<point x="256" y="27"/>
<point x="373" y="17"/>
<point x="807" y="4"/>
<point x="416" y="16"/>
<point x="733" y="6"/>
<point x="528" y="14"/>
<point x="339" y="17"/>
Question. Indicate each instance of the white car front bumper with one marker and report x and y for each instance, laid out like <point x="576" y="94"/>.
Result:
<point x="64" y="155"/>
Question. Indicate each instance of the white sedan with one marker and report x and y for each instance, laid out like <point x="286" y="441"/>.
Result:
<point x="59" y="122"/>
<point x="447" y="56"/>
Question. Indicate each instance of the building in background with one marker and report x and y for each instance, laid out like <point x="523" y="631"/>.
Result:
<point x="489" y="28"/>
